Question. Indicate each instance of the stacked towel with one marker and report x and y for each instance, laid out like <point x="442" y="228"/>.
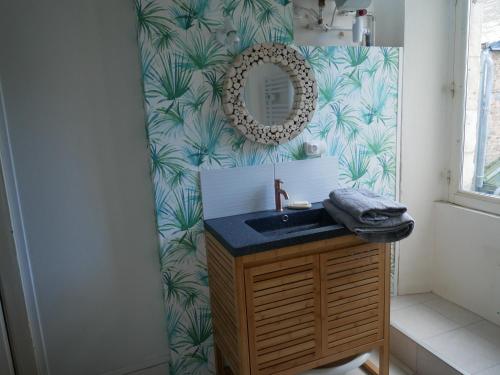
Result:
<point x="372" y="217"/>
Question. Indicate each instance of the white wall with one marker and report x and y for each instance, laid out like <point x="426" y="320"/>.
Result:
<point x="425" y="133"/>
<point x="390" y="20"/>
<point x="467" y="259"/>
<point x="71" y="80"/>
<point x="389" y="29"/>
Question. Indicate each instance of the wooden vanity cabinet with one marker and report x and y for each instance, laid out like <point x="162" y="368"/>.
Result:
<point x="288" y="310"/>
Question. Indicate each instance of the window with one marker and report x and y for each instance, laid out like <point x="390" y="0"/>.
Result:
<point x="477" y="79"/>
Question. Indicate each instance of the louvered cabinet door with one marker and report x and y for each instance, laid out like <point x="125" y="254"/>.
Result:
<point x="283" y="312"/>
<point x="352" y="288"/>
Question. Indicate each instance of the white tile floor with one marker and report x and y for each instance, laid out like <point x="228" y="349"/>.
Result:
<point x="460" y="338"/>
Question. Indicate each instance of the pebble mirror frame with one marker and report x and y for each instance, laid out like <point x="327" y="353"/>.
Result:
<point x="303" y="81"/>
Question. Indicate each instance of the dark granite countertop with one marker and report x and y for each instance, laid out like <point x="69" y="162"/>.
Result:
<point x="239" y="237"/>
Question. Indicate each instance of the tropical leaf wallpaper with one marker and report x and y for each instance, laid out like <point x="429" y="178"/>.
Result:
<point x="183" y="69"/>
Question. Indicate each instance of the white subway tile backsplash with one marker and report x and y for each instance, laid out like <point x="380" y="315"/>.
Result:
<point x="234" y="191"/>
<point x="309" y="180"/>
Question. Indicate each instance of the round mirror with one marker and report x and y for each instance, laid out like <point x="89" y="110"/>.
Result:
<point x="269" y="94"/>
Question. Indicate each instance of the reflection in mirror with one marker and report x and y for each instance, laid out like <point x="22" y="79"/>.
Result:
<point x="269" y="94"/>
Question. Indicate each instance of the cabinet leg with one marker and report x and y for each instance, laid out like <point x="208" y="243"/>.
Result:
<point x="383" y="368"/>
<point x="370" y="368"/>
<point x="384" y="357"/>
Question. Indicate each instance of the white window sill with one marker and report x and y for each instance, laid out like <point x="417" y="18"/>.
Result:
<point x="476" y="202"/>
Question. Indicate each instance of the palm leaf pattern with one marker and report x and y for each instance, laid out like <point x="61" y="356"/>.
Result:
<point x="185" y="247"/>
<point x="330" y="55"/>
<point x="255" y="6"/>
<point x="355" y="57"/>
<point x="173" y="318"/>
<point x="390" y="59"/>
<point x="228" y="7"/>
<point x="172" y="80"/>
<point x="147" y="62"/>
<point x="164" y="160"/>
<point x="204" y="142"/>
<point x="266" y="15"/>
<point x="198" y="328"/>
<point x="330" y="90"/>
<point x="151" y="19"/>
<point x="345" y="120"/>
<point x="314" y="56"/>
<point x="192" y="13"/>
<point x="183" y="69"/>
<point x="216" y="82"/>
<point x="252" y="156"/>
<point x="321" y="129"/>
<point x="173" y="117"/>
<point x="183" y="213"/>
<point x="354" y="82"/>
<point x="373" y="108"/>
<point x="247" y="32"/>
<point x="284" y="32"/>
<point x="379" y="142"/>
<point x="355" y="166"/>
<point x="178" y="285"/>
<point x="194" y="99"/>
<point x="387" y="164"/>
<point x="295" y="150"/>
<point x="203" y="53"/>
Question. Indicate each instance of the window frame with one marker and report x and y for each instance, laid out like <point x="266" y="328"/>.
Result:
<point x="460" y="39"/>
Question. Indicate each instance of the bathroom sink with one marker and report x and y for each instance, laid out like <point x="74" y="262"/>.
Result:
<point x="266" y="230"/>
<point x="287" y="223"/>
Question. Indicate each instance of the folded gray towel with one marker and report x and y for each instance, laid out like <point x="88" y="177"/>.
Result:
<point x="366" y="206"/>
<point x="391" y="230"/>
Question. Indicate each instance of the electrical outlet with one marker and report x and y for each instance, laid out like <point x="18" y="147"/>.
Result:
<point x="315" y="148"/>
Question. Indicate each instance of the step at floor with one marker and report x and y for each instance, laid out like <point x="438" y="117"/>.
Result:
<point x="396" y="367"/>
<point x="433" y="336"/>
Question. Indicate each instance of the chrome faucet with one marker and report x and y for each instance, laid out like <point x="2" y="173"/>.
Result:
<point x="278" y="192"/>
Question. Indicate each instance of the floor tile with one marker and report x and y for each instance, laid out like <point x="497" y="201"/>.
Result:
<point x="420" y="322"/>
<point x="404" y="348"/>
<point x="398" y="368"/>
<point x="453" y="312"/>
<point x="466" y="349"/>
<point x="356" y="371"/>
<point x="395" y="367"/>
<point x="486" y="330"/>
<point x="490" y="371"/>
<point x="429" y="364"/>
<point x="401" y="302"/>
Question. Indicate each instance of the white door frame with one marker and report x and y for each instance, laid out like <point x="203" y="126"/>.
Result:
<point x="16" y="286"/>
